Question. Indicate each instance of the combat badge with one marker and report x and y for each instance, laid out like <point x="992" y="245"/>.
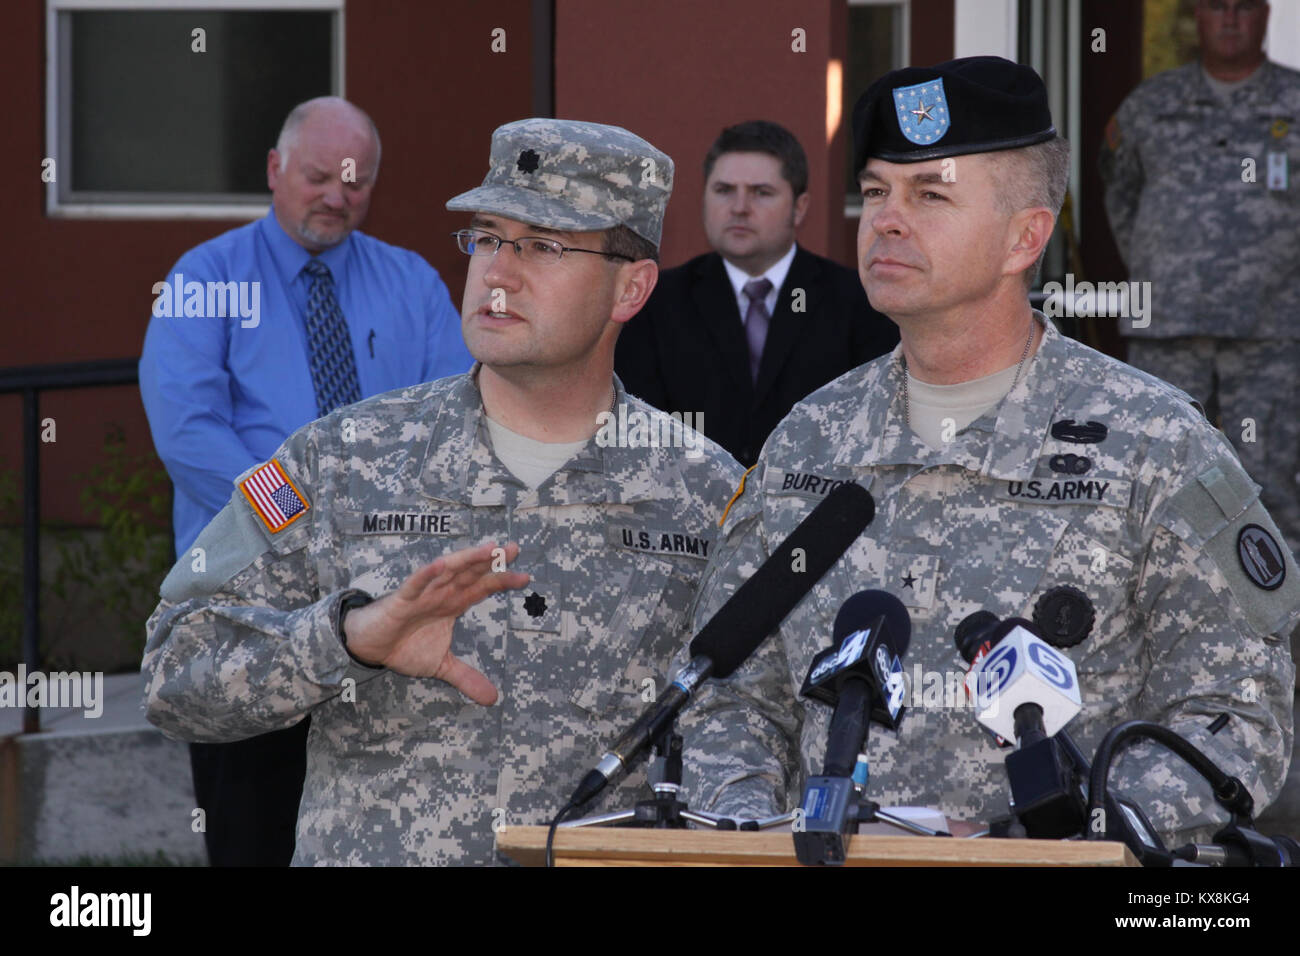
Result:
<point x="1261" y="558"/>
<point x="1064" y="615"/>
<point x="1089" y="433"/>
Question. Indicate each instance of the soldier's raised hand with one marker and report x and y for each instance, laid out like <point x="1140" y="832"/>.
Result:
<point x="409" y="630"/>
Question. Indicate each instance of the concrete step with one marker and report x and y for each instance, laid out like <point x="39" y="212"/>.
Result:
<point x="107" y="786"/>
<point x="114" y="786"/>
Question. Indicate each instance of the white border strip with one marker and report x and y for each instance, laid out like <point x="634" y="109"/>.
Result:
<point x="985" y="28"/>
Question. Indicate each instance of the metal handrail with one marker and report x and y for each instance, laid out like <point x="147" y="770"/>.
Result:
<point x="31" y="380"/>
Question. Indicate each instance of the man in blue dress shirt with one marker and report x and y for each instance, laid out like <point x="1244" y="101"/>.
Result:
<point x="254" y="334"/>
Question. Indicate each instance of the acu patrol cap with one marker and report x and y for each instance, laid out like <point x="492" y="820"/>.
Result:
<point x="580" y="177"/>
<point x="978" y="104"/>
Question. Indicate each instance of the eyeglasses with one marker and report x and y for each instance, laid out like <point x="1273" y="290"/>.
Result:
<point x="476" y="242"/>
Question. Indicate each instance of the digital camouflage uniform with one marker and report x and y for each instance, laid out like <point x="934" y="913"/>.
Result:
<point x="404" y="770"/>
<point x="1148" y="531"/>
<point x="407" y="770"/>
<point x="1222" y="256"/>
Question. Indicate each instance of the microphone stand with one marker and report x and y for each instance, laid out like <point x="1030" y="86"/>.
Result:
<point x="663" y="811"/>
<point x="1236" y="844"/>
<point x="1051" y="772"/>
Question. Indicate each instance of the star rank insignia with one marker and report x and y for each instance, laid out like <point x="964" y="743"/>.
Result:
<point x="535" y="605"/>
<point x="528" y="161"/>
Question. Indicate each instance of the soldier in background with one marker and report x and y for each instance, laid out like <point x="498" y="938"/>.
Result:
<point x="1014" y="471"/>
<point x="1198" y="165"/>
<point x="341" y="579"/>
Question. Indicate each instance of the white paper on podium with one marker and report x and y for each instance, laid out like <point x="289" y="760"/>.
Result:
<point x="925" y="816"/>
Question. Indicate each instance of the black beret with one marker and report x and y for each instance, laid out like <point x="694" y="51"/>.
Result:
<point x="977" y="104"/>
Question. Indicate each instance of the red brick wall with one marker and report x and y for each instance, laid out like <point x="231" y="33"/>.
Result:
<point x="79" y="289"/>
<point x="682" y="71"/>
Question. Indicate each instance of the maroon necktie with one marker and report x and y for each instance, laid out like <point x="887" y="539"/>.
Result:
<point x="756" y="321"/>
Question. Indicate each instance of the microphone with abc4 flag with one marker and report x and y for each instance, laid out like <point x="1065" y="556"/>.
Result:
<point x="861" y="676"/>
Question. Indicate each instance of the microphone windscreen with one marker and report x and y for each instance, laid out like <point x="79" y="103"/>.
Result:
<point x="763" y="602"/>
<point x="863" y="608"/>
<point x="972" y="631"/>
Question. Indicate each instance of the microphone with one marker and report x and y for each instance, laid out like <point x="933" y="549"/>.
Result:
<point x="748" y="616"/>
<point x="971" y="635"/>
<point x="1237" y="844"/>
<point x="861" y="676"/>
<point x="1020" y="670"/>
<point x="1044" y="783"/>
<point x="1241" y="845"/>
<point x="1026" y="690"/>
<point x="862" y="668"/>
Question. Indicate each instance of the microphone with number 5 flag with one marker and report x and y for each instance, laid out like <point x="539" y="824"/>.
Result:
<point x="1026" y="690"/>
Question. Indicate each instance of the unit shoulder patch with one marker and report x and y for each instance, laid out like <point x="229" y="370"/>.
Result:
<point x="1260" y="557"/>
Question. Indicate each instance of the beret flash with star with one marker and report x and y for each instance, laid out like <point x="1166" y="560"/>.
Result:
<point x="978" y="104"/>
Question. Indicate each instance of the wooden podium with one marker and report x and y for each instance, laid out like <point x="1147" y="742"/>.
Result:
<point x="625" y="846"/>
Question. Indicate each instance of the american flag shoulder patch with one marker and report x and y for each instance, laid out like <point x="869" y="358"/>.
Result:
<point x="274" y="497"/>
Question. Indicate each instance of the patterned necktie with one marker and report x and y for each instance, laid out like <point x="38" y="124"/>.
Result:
<point x="333" y="364"/>
<point x="756" y="321"/>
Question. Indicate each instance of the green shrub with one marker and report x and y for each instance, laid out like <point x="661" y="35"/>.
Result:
<point x="97" y="594"/>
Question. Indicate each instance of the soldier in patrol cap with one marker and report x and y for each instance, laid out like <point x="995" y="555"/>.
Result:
<point x="361" y="574"/>
<point x="1014" y="471"/>
<point x="1200" y="166"/>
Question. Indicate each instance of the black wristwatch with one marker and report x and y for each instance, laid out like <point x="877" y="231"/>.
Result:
<point x="351" y="602"/>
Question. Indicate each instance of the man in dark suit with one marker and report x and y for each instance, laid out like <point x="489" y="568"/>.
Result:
<point x="740" y="334"/>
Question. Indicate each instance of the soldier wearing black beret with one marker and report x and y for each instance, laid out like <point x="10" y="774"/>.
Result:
<point x="1014" y="471"/>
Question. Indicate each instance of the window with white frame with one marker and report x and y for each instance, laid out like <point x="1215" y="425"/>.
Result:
<point x="1049" y="38"/>
<point x="161" y="109"/>
<point x="878" y="43"/>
